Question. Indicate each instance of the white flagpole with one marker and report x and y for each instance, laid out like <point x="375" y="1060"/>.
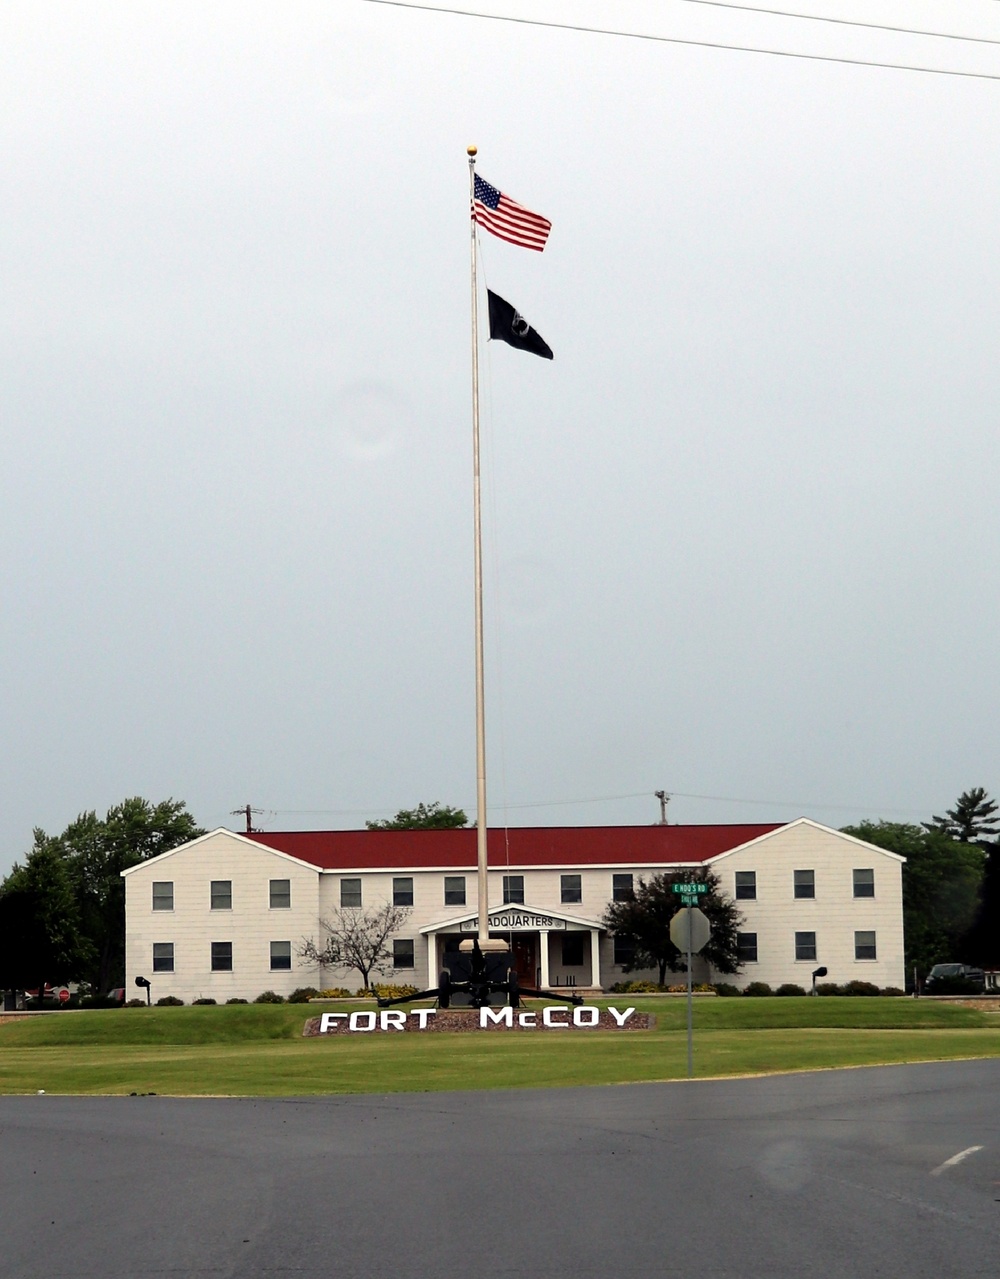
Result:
<point x="483" y="882"/>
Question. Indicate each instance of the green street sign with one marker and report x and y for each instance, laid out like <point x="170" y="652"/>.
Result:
<point x="687" y="900"/>
<point x="690" y="888"/>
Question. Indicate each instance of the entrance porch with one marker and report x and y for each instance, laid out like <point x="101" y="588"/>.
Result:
<point x="550" y="950"/>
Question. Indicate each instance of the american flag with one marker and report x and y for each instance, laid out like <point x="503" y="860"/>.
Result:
<point x="505" y="218"/>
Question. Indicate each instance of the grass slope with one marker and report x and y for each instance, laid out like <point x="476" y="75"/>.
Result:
<point x="259" y="1049"/>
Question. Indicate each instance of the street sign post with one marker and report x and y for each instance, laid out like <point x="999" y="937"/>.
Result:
<point x="690" y="931"/>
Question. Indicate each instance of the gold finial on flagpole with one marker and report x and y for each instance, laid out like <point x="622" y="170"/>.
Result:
<point x="472" y="150"/>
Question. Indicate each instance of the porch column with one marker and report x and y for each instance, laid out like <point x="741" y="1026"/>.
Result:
<point x="595" y="958"/>
<point x="543" y="946"/>
<point x="432" y="946"/>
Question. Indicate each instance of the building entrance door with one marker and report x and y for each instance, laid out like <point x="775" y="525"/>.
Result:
<point x="523" y="948"/>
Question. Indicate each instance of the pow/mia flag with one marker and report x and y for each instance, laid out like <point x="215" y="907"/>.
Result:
<point x="506" y="325"/>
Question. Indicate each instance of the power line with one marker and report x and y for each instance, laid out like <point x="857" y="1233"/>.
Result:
<point x="701" y="44"/>
<point x="801" y="805"/>
<point x="841" y="22"/>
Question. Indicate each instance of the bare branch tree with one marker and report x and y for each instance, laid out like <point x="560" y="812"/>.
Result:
<point x="357" y="939"/>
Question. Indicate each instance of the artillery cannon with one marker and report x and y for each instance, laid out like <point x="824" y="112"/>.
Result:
<point x="479" y="986"/>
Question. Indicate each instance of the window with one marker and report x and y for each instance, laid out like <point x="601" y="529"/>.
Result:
<point x="163" y="956"/>
<point x="513" y="890"/>
<point x="454" y="890"/>
<point x="222" y="894"/>
<point x="621" y="888"/>
<point x="402" y="953"/>
<point x="805" y="945"/>
<point x="805" y="883"/>
<point x="864" y="883"/>
<point x="350" y="892"/>
<point x="572" y="950"/>
<point x="570" y="888"/>
<point x="281" y="956"/>
<point x="222" y="957"/>
<point x="746" y="948"/>
<point x="746" y="886"/>
<point x="402" y="890"/>
<point x="163" y="896"/>
<point x="281" y="894"/>
<point x="864" y="946"/>
<point x="624" y="951"/>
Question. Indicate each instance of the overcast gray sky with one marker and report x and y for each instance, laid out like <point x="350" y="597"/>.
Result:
<point x="742" y="531"/>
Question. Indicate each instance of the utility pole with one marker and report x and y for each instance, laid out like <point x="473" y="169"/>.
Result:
<point x="664" y="799"/>
<point x="247" y="811"/>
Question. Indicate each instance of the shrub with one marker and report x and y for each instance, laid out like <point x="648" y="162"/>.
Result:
<point x="758" y="988"/>
<point x="203" y="1001"/>
<point x="828" y="988"/>
<point x="675" y="990"/>
<point x="236" y="1000"/>
<point x="893" y="990"/>
<point x="170" y="1001"/>
<point x="303" y="994"/>
<point x="135" y="1003"/>
<point x="335" y="992"/>
<point x="726" y="989"/>
<point x="861" y="988"/>
<point x="789" y="988"/>
<point x="269" y="997"/>
<point x="386" y="991"/>
<point x="703" y="988"/>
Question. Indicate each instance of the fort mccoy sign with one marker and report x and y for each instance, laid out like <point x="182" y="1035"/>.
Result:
<point x="552" y="1018"/>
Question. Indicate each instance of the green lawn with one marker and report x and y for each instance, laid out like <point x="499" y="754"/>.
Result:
<point x="259" y="1049"/>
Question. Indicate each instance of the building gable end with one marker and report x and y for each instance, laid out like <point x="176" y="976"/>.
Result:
<point x="211" y="834"/>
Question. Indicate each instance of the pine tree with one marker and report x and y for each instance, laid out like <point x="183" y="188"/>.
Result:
<point x="970" y="820"/>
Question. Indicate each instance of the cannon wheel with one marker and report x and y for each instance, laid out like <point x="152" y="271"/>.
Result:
<point x="444" y="989"/>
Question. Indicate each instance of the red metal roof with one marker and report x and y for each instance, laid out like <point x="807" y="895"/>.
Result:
<point x="520" y="846"/>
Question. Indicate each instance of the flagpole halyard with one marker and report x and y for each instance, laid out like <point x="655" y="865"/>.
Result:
<point x="483" y="880"/>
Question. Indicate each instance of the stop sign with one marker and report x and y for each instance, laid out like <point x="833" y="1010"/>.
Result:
<point x="701" y="930"/>
<point x="62" y="994"/>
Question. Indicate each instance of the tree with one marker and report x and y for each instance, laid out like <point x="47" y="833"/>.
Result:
<point x="434" y="816"/>
<point x="645" y="921"/>
<point x="40" y="935"/>
<point x="941" y="880"/>
<point x="982" y="945"/>
<point x="95" y="851"/>
<point x="970" y="820"/>
<point x="357" y="939"/>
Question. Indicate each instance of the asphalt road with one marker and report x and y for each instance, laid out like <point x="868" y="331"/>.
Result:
<point x="837" y="1174"/>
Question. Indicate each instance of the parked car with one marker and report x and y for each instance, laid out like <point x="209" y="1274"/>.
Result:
<point x="955" y="979"/>
<point x="116" y="996"/>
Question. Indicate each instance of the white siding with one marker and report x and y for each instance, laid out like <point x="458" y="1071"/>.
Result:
<point x="834" y="915"/>
<point x="192" y="925"/>
<point x="775" y="916"/>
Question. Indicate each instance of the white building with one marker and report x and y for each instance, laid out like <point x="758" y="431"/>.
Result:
<point x="226" y="914"/>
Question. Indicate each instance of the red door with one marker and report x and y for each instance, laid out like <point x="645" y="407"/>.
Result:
<point x="523" y="949"/>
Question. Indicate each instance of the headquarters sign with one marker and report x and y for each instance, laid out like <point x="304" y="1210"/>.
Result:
<point x="515" y="919"/>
